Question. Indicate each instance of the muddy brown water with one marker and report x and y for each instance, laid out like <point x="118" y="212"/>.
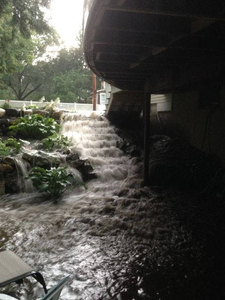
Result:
<point x="114" y="239"/>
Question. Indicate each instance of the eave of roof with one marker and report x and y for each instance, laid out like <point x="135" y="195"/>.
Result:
<point x="171" y="43"/>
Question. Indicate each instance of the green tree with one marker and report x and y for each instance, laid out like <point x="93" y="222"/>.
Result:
<point x="72" y="86"/>
<point x="70" y="79"/>
<point x="65" y="76"/>
<point x="21" y="22"/>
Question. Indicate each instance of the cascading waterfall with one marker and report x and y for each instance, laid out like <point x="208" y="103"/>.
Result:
<point x="22" y="171"/>
<point x="96" y="141"/>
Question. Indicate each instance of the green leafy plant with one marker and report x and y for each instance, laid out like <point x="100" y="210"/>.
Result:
<point x="6" y="105"/>
<point x="4" y="150"/>
<point x="32" y="106"/>
<point x="53" y="181"/>
<point x="34" y="127"/>
<point x="13" y="144"/>
<point x="55" y="142"/>
<point x="9" y="147"/>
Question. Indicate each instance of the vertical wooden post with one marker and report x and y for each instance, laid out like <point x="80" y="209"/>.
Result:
<point x="147" y="105"/>
<point x="94" y="91"/>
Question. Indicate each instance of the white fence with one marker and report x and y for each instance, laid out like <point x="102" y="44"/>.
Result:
<point x="75" y="107"/>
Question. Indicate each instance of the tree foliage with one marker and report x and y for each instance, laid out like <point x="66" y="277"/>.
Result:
<point x="24" y="33"/>
<point x="65" y="76"/>
<point x="24" y="36"/>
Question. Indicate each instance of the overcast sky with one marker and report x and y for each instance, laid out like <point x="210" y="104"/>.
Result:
<point x="66" y="17"/>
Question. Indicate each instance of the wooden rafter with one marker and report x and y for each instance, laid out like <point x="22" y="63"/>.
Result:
<point x="106" y="54"/>
<point x="196" y="26"/>
<point x="143" y="30"/>
<point x="121" y="2"/>
<point x="111" y="43"/>
<point x="162" y="13"/>
<point x="156" y="50"/>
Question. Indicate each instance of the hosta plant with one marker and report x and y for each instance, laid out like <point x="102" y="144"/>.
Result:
<point x="9" y="147"/>
<point x="53" y="181"/>
<point x="4" y="150"/>
<point x="34" y="127"/>
<point x="55" y="141"/>
<point x="14" y="144"/>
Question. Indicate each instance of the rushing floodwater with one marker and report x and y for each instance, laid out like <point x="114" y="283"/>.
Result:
<point x="68" y="238"/>
<point x="111" y="238"/>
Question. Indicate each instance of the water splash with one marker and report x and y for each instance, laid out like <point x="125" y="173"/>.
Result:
<point x="22" y="167"/>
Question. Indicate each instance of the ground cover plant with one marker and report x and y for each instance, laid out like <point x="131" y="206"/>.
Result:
<point x="55" y="142"/>
<point x="9" y="147"/>
<point x="34" y="127"/>
<point x="53" y="181"/>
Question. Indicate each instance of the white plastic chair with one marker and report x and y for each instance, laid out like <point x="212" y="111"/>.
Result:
<point x="6" y="297"/>
<point x="53" y="293"/>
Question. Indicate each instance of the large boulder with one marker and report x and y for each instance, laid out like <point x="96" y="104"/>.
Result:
<point x="82" y="166"/>
<point x="11" y="112"/>
<point x="2" y="112"/>
<point x="41" y="159"/>
<point x="41" y="112"/>
<point x="12" y="182"/>
<point x="5" y="168"/>
<point x="4" y="125"/>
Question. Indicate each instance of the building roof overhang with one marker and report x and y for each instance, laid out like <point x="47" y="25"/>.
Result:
<point x="171" y="44"/>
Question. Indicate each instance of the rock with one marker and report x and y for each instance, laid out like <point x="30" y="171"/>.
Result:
<point x="4" y="122"/>
<point x="2" y="112"/>
<point x="2" y="187"/>
<point x="4" y="125"/>
<point x="5" y="168"/>
<point x="41" y="159"/>
<point x="28" y="157"/>
<point x="84" y="168"/>
<point x="72" y="156"/>
<point x="78" y="163"/>
<point x="121" y="145"/>
<point x="9" y="161"/>
<point x="89" y="176"/>
<point x="28" y="112"/>
<point x="57" y="115"/>
<point x="134" y="151"/>
<point x="11" y="182"/>
<point x="41" y="112"/>
<point x="13" y="112"/>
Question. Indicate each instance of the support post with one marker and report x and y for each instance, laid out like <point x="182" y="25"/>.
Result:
<point x="94" y="91"/>
<point x="147" y="105"/>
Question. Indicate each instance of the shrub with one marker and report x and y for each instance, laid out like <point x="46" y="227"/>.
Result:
<point x="34" y="127"/>
<point x="6" y="105"/>
<point x="9" y="147"/>
<point x="4" y="150"/>
<point x="55" y="142"/>
<point x="32" y="106"/>
<point x="53" y="181"/>
<point x="13" y="144"/>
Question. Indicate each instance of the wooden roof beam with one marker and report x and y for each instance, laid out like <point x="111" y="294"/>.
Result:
<point x="155" y="64"/>
<point x="156" y="50"/>
<point x="196" y="26"/>
<point x="163" y="13"/>
<point x="121" y="44"/>
<point x="121" y="2"/>
<point x="146" y="30"/>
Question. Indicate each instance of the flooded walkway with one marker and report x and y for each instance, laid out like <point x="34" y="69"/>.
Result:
<point x="115" y="239"/>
